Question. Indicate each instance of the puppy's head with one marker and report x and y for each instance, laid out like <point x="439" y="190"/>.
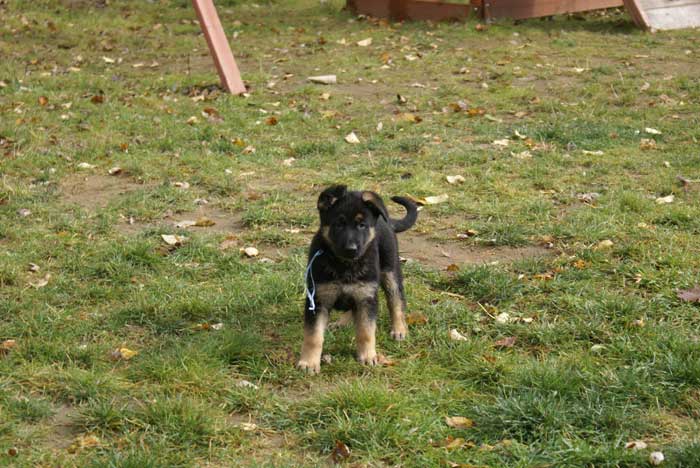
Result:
<point x="348" y="220"/>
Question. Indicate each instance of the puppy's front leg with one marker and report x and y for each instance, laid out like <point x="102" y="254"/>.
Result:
<point x="314" y="328"/>
<point x="365" y="316"/>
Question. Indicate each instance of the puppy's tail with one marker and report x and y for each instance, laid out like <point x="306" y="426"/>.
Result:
<point x="409" y="220"/>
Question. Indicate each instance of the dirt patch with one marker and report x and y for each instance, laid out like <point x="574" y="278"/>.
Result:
<point x="224" y="222"/>
<point x="440" y="255"/>
<point x="62" y="429"/>
<point x="96" y="191"/>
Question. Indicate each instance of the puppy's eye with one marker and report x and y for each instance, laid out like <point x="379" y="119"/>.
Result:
<point x="362" y="226"/>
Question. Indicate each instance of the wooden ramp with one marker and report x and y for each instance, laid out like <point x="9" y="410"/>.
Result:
<point x="664" y="14"/>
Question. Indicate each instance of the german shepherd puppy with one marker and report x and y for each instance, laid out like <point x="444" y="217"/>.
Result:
<point x="354" y="252"/>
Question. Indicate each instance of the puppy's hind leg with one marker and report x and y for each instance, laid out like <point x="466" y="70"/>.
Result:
<point x="314" y="328"/>
<point x="392" y="284"/>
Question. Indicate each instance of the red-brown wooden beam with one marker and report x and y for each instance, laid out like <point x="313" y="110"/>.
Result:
<point x="218" y="46"/>
<point x="521" y="9"/>
<point x="410" y="9"/>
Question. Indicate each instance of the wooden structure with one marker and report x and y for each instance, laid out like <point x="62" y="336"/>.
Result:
<point x="664" y="14"/>
<point x="218" y="46"/>
<point x="521" y="9"/>
<point x="436" y="10"/>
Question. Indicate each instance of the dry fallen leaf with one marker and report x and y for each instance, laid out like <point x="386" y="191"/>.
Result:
<point x="246" y="384"/>
<point x="416" y="318"/>
<point x="503" y="317"/>
<point x="116" y="170"/>
<point x="459" y="422"/>
<point x="33" y="267"/>
<point x="434" y="200"/>
<point x="452" y="267"/>
<point x="385" y="361"/>
<point x="23" y="212"/>
<point x="185" y="224"/>
<point x="365" y="42"/>
<point x="408" y="117"/>
<point x="84" y="166"/>
<point x="250" y="251"/>
<point x="323" y="79"/>
<point x="457" y="336"/>
<point x="604" y="244"/>
<point x="204" y="222"/>
<point x="6" y="346"/>
<point x="504" y="142"/>
<point x="652" y="131"/>
<point x="455" y="179"/>
<point x="288" y="162"/>
<point x="665" y="200"/>
<point x="467" y="234"/>
<point x="656" y="458"/>
<point x="341" y="452"/>
<point x="123" y="354"/>
<point x="507" y="342"/>
<point x="689" y="295"/>
<point x="42" y="282"/>
<point x="181" y="185"/>
<point x="272" y="120"/>
<point x="647" y="144"/>
<point x="43" y="101"/>
<point x="352" y="138"/>
<point x="173" y="239"/>
<point x="83" y="442"/>
<point x="248" y="427"/>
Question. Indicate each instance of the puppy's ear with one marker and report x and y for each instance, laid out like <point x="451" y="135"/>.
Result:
<point x="374" y="202"/>
<point x="330" y="196"/>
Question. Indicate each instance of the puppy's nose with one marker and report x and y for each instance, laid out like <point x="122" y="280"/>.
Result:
<point x="352" y="248"/>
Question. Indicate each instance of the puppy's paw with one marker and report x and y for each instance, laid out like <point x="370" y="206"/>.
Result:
<point x="310" y="367"/>
<point x="368" y="359"/>
<point x="399" y="332"/>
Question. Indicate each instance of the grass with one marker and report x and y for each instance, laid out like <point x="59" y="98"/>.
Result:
<point x="605" y="353"/>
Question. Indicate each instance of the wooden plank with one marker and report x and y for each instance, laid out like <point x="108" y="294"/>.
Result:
<point x="218" y="46"/>
<point x="665" y="14"/>
<point x="415" y="10"/>
<point x="521" y="9"/>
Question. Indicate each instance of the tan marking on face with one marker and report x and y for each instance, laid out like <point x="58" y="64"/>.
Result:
<point x="372" y="235"/>
<point x="326" y="233"/>
<point x="359" y="217"/>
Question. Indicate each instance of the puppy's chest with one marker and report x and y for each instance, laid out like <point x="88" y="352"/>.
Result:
<point x="344" y="296"/>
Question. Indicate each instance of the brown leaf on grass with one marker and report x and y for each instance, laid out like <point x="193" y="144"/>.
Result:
<point x="452" y="267"/>
<point x="7" y="346"/>
<point x="173" y="239"/>
<point x="459" y="422"/>
<point x="408" y="117"/>
<point x="416" y="318"/>
<point x="476" y="112"/>
<point x="84" y="442"/>
<point x="385" y="361"/>
<point x="507" y="342"/>
<point x="122" y="354"/>
<point x="43" y="101"/>
<point x="272" y="120"/>
<point x="689" y="295"/>
<point x="97" y="99"/>
<point x="340" y="453"/>
<point x="42" y="282"/>
<point x="204" y="222"/>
